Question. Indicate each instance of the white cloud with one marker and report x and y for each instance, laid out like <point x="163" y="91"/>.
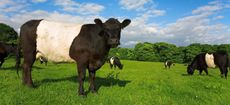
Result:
<point x="130" y="43"/>
<point x="89" y="8"/>
<point x="218" y="17"/>
<point x="196" y="28"/>
<point x="3" y="3"/>
<point x="133" y="4"/>
<point x="65" y="3"/>
<point x="208" y="8"/>
<point x="199" y="26"/>
<point x="81" y="8"/>
<point x="155" y="12"/>
<point x="14" y="22"/>
<point x="12" y="5"/>
<point x="39" y="1"/>
<point x="146" y="7"/>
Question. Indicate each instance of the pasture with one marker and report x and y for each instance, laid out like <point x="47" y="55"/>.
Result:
<point x="139" y="83"/>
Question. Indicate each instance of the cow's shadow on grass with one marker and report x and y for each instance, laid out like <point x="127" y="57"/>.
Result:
<point x="7" y="68"/>
<point x="20" y="68"/>
<point x="14" y="68"/>
<point x="185" y="74"/>
<point x="100" y="81"/>
<point x="197" y="74"/>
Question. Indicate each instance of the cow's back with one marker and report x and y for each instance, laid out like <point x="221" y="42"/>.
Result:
<point x="54" y="39"/>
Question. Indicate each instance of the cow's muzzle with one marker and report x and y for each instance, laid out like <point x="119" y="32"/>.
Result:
<point x="114" y="42"/>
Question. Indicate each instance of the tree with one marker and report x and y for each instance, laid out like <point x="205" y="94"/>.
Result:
<point x="7" y="33"/>
<point x="207" y="48"/>
<point x="162" y="51"/>
<point x="123" y="53"/>
<point x="191" y="51"/>
<point x="145" y="52"/>
<point x="166" y="51"/>
<point x="224" y="48"/>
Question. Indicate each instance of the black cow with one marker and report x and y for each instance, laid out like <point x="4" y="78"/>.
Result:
<point x="168" y="64"/>
<point x="87" y="44"/>
<point x="115" y="61"/>
<point x="5" y="50"/>
<point x="204" y="60"/>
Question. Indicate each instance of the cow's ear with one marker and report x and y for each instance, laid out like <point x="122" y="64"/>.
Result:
<point x="98" y="22"/>
<point x="125" y="23"/>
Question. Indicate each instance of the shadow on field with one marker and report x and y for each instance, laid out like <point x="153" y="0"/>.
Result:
<point x="106" y="82"/>
<point x="20" y="68"/>
<point x="8" y="68"/>
<point x="185" y="75"/>
<point x="197" y="74"/>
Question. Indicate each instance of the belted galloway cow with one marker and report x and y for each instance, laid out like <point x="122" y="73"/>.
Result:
<point x="210" y="60"/>
<point x="88" y="45"/>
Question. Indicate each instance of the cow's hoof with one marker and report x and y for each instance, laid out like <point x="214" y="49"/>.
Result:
<point x="82" y="94"/>
<point x="94" y="91"/>
<point x="31" y="85"/>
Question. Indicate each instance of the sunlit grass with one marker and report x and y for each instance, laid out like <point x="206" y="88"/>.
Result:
<point x="139" y="83"/>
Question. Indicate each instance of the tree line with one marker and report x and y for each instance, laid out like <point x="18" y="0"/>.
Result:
<point x="162" y="51"/>
<point x="157" y="52"/>
<point x="7" y="34"/>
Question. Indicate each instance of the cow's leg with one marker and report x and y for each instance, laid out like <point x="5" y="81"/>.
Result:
<point x="206" y="71"/>
<point x="2" y="61"/>
<point x="111" y="66"/>
<point x="92" y="75"/>
<point x="200" y="72"/>
<point x="115" y="67"/>
<point x="226" y="72"/>
<point x="81" y="68"/>
<point x="221" y="72"/>
<point x="29" y="59"/>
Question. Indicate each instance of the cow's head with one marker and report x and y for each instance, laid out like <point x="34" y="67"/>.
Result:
<point x="111" y="29"/>
<point x="190" y="70"/>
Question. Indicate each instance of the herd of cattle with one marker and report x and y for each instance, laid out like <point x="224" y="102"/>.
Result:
<point x="87" y="45"/>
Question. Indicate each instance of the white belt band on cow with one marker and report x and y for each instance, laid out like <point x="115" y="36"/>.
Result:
<point x="112" y="60"/>
<point x="209" y="59"/>
<point x="54" y="39"/>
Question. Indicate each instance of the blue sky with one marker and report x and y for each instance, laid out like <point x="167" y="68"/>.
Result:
<point x="180" y="22"/>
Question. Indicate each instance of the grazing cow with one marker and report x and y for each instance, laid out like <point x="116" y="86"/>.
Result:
<point x="88" y="45"/>
<point x="211" y="60"/>
<point x="115" y="61"/>
<point x="41" y="57"/>
<point x="5" y="50"/>
<point x="168" y="64"/>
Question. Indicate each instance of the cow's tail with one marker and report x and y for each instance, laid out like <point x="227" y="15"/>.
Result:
<point x="18" y="57"/>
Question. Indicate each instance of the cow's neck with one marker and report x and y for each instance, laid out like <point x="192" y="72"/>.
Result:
<point x="194" y="64"/>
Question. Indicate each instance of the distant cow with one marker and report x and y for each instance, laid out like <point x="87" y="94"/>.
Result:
<point x="115" y="61"/>
<point x="168" y="64"/>
<point x="86" y="44"/>
<point x="5" y="50"/>
<point x="212" y="60"/>
<point x="41" y="57"/>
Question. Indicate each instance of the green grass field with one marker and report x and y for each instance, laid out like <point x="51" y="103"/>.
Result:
<point x="139" y="83"/>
